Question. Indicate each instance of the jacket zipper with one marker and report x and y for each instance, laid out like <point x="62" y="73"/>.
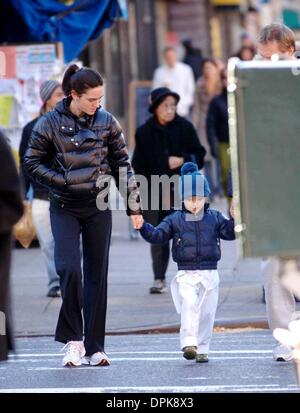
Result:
<point x="197" y="242"/>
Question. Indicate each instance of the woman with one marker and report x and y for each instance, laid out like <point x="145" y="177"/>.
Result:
<point x="70" y="148"/>
<point x="163" y="144"/>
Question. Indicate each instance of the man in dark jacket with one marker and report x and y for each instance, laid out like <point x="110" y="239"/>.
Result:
<point x="163" y="144"/>
<point x="11" y="209"/>
<point x="218" y="132"/>
<point x="50" y="93"/>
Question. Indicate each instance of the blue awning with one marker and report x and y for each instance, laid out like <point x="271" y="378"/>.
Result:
<point x="50" y="20"/>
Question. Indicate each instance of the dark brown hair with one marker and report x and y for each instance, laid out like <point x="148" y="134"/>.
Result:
<point x="80" y="79"/>
<point x="279" y="33"/>
<point x="245" y="49"/>
<point x="209" y="60"/>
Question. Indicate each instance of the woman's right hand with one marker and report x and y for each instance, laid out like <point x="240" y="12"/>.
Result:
<point x="175" y="162"/>
<point x="137" y="221"/>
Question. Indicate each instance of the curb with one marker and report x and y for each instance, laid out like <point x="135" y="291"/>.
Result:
<point x="219" y="325"/>
<point x="173" y="328"/>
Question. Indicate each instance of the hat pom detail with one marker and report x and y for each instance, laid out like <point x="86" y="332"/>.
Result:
<point x="189" y="168"/>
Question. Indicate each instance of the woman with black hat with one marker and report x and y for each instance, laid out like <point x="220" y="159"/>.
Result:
<point x="163" y="143"/>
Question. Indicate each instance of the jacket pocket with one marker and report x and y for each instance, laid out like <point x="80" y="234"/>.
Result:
<point x="177" y="249"/>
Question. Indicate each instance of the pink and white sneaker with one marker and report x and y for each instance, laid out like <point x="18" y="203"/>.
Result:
<point x="74" y="351"/>
<point x="98" y="359"/>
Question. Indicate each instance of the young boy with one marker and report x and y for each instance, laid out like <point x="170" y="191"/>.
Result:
<point x="196" y="231"/>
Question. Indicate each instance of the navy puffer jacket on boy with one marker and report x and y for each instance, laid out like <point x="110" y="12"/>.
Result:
<point x="196" y="243"/>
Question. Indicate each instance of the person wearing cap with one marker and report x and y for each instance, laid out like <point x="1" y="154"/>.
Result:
<point x="196" y="231"/>
<point x="50" y="93"/>
<point x="163" y="143"/>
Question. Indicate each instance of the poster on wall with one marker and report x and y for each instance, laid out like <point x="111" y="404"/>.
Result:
<point x="23" y="69"/>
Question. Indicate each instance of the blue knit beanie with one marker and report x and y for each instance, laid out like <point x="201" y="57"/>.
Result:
<point x="192" y="182"/>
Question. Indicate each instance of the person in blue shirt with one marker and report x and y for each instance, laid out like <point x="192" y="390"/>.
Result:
<point x="196" y="231"/>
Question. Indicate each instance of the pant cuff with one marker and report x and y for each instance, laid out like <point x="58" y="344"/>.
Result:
<point x="188" y="341"/>
<point x="203" y="349"/>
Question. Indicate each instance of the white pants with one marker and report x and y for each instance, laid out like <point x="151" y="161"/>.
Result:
<point x="198" y="309"/>
<point x="280" y="302"/>
<point x="41" y="221"/>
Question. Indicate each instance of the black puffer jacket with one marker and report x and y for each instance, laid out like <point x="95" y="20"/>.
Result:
<point x="68" y="154"/>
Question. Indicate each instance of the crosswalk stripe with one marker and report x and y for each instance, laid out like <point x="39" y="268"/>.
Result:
<point x="144" y="352"/>
<point x="176" y="389"/>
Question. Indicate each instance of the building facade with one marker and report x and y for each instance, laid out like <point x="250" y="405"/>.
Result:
<point x="132" y="49"/>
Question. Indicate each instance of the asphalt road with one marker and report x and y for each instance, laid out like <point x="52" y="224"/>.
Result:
<point x="240" y="362"/>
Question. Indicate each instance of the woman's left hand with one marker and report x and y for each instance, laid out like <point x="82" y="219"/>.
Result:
<point x="137" y="221"/>
<point x="175" y="162"/>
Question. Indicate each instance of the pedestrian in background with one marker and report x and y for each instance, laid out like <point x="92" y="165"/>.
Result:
<point x="163" y="144"/>
<point x="178" y="77"/>
<point x="11" y="209"/>
<point x="207" y="87"/>
<point x="196" y="231"/>
<point x="218" y="132"/>
<point x="192" y="57"/>
<point x="69" y="150"/>
<point x="50" y="93"/>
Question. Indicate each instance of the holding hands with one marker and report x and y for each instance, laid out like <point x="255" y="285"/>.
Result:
<point x="137" y="221"/>
<point x="233" y="208"/>
<point x="175" y="162"/>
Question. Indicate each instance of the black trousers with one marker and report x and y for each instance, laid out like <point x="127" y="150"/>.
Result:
<point x="160" y="254"/>
<point x="89" y="294"/>
<point x="160" y="259"/>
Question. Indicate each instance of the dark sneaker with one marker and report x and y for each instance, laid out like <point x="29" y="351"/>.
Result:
<point x="283" y="352"/>
<point x="189" y="352"/>
<point x="158" y="287"/>
<point x="201" y="358"/>
<point x="54" y="292"/>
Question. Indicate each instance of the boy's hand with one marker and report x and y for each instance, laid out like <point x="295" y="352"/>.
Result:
<point x="233" y="207"/>
<point x="137" y="221"/>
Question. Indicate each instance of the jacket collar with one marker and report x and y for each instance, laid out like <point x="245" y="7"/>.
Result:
<point x="63" y="107"/>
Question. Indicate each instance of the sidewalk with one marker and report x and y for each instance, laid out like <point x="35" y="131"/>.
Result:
<point x="130" y="306"/>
